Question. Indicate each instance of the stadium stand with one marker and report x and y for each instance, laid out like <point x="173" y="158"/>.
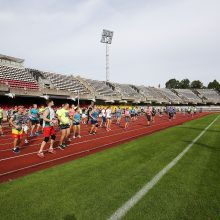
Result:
<point x="101" y="89"/>
<point x="170" y="95"/>
<point x="17" y="78"/>
<point x="127" y="92"/>
<point x="209" y="96"/>
<point x="188" y="96"/>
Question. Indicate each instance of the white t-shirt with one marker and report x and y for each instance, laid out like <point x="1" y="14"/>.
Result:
<point x="108" y="113"/>
<point x="103" y="113"/>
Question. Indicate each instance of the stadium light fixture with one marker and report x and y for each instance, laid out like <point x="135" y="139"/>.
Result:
<point x="107" y="39"/>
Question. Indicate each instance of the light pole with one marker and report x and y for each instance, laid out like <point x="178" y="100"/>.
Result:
<point x="107" y="39"/>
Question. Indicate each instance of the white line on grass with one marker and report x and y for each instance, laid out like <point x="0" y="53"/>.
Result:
<point x="119" y="213"/>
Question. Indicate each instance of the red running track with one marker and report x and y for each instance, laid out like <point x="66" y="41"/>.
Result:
<point x="15" y="165"/>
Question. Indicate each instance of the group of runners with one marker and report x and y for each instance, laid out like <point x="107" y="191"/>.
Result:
<point x="27" y="123"/>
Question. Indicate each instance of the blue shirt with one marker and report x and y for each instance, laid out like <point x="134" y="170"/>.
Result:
<point x="34" y="114"/>
<point x="94" y="115"/>
<point x="77" y="117"/>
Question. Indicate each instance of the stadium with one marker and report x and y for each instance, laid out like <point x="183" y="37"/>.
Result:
<point x="79" y="147"/>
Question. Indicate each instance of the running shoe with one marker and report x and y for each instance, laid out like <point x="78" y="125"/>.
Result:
<point x="61" y="146"/>
<point x="40" y="154"/>
<point x="52" y="151"/>
<point x="16" y="150"/>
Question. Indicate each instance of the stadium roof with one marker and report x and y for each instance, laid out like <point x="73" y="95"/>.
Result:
<point x="18" y="60"/>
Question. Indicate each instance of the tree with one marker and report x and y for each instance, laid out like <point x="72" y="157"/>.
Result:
<point x="214" y="85"/>
<point x="172" y="84"/>
<point x="185" y="84"/>
<point x="196" y="84"/>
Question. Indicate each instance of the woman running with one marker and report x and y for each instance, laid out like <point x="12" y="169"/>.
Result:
<point x="94" y="121"/>
<point x="76" y="123"/>
<point x="108" y="118"/>
<point x="127" y="117"/>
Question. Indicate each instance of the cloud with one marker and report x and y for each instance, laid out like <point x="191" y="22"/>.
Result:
<point x="153" y="40"/>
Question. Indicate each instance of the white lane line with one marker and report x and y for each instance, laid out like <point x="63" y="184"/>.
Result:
<point x="119" y="213"/>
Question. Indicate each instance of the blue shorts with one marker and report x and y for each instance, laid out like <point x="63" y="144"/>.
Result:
<point x="103" y="119"/>
<point x="126" y="119"/>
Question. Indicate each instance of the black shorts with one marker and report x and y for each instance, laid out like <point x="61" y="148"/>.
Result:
<point x="62" y="127"/>
<point x="170" y="115"/>
<point x="94" y="122"/>
<point x="149" y="117"/>
<point x="35" y="122"/>
<point x="76" y="123"/>
<point x="41" y="121"/>
<point x="132" y="115"/>
<point x="0" y="121"/>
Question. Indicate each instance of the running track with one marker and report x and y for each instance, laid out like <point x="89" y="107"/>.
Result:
<point x="15" y="165"/>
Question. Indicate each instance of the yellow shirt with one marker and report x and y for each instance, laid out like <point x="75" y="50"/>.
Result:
<point x="64" y="116"/>
<point x="1" y="113"/>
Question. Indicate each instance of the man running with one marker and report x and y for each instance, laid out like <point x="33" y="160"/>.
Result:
<point x="63" y="116"/>
<point x="35" y="120"/>
<point x="16" y="122"/>
<point x="49" y="132"/>
<point x="149" y="115"/>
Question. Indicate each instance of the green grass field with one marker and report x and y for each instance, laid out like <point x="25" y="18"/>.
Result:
<point x="95" y="186"/>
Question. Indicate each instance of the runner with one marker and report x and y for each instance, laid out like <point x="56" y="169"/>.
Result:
<point x="149" y="115"/>
<point x="94" y="121"/>
<point x="154" y="112"/>
<point x="76" y="123"/>
<point x="84" y="116"/>
<point x="118" y="115"/>
<point x="63" y="116"/>
<point x="25" y="125"/>
<point x="1" y="120"/>
<point x="127" y="117"/>
<point x="16" y="122"/>
<point x="132" y="113"/>
<point x="41" y="111"/>
<point x="71" y="114"/>
<point x="170" y="113"/>
<point x="103" y="115"/>
<point x="35" y="120"/>
<point x="108" y="118"/>
<point x="49" y="132"/>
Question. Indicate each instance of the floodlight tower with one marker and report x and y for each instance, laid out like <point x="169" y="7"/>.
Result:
<point x="107" y="39"/>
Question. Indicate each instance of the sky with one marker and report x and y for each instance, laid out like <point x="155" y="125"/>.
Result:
<point x="154" y="40"/>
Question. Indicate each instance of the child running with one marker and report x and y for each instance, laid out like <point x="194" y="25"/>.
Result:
<point x="76" y="123"/>
<point x="48" y="125"/>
